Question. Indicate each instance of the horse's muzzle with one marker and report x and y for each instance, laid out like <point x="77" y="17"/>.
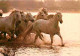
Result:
<point x="61" y="22"/>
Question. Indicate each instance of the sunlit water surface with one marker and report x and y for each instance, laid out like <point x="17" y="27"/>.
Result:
<point x="70" y="31"/>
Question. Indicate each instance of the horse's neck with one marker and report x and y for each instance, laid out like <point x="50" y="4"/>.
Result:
<point x="54" y="22"/>
<point x="38" y="17"/>
<point x="11" y="19"/>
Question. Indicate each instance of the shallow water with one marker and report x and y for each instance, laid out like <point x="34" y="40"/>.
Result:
<point x="70" y="31"/>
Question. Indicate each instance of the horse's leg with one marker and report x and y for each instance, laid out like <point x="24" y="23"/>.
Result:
<point x="9" y="33"/>
<point x="35" y="38"/>
<point x="4" y="34"/>
<point x="61" y="39"/>
<point x="12" y="35"/>
<point x="0" y="35"/>
<point x="51" y="36"/>
<point x="40" y="35"/>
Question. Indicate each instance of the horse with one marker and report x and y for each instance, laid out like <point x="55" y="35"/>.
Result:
<point x="23" y="25"/>
<point x="44" y="10"/>
<point x="43" y="14"/>
<point x="23" y="17"/>
<point x="8" y="24"/>
<point x="40" y="15"/>
<point x="26" y="17"/>
<point x="50" y="26"/>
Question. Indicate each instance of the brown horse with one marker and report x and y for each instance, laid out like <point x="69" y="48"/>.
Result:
<point x="50" y="26"/>
<point x="8" y="24"/>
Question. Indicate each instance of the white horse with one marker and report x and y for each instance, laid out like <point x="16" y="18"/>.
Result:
<point x="50" y="26"/>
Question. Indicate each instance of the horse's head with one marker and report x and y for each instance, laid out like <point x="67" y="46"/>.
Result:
<point x="44" y="10"/>
<point x="41" y="15"/>
<point x="59" y="17"/>
<point x="16" y="16"/>
<point x="23" y="16"/>
<point x="29" y="17"/>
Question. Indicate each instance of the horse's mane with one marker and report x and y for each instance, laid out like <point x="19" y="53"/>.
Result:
<point x="14" y="11"/>
<point x="39" y="13"/>
<point x="42" y="9"/>
<point x="50" y="16"/>
<point x="29" y="14"/>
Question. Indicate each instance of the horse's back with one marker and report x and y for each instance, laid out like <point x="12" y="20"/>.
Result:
<point x="40" y="24"/>
<point x="50" y="16"/>
<point x="41" y="21"/>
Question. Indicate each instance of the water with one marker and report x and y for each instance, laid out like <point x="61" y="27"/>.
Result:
<point x="70" y="31"/>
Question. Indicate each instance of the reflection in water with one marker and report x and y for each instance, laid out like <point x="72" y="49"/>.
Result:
<point x="70" y="31"/>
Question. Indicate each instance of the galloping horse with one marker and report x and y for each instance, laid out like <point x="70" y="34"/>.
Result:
<point x="23" y="25"/>
<point x="50" y="26"/>
<point x="23" y="18"/>
<point x="8" y="24"/>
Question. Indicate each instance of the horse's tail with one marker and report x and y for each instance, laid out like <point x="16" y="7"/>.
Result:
<point x="27" y="31"/>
